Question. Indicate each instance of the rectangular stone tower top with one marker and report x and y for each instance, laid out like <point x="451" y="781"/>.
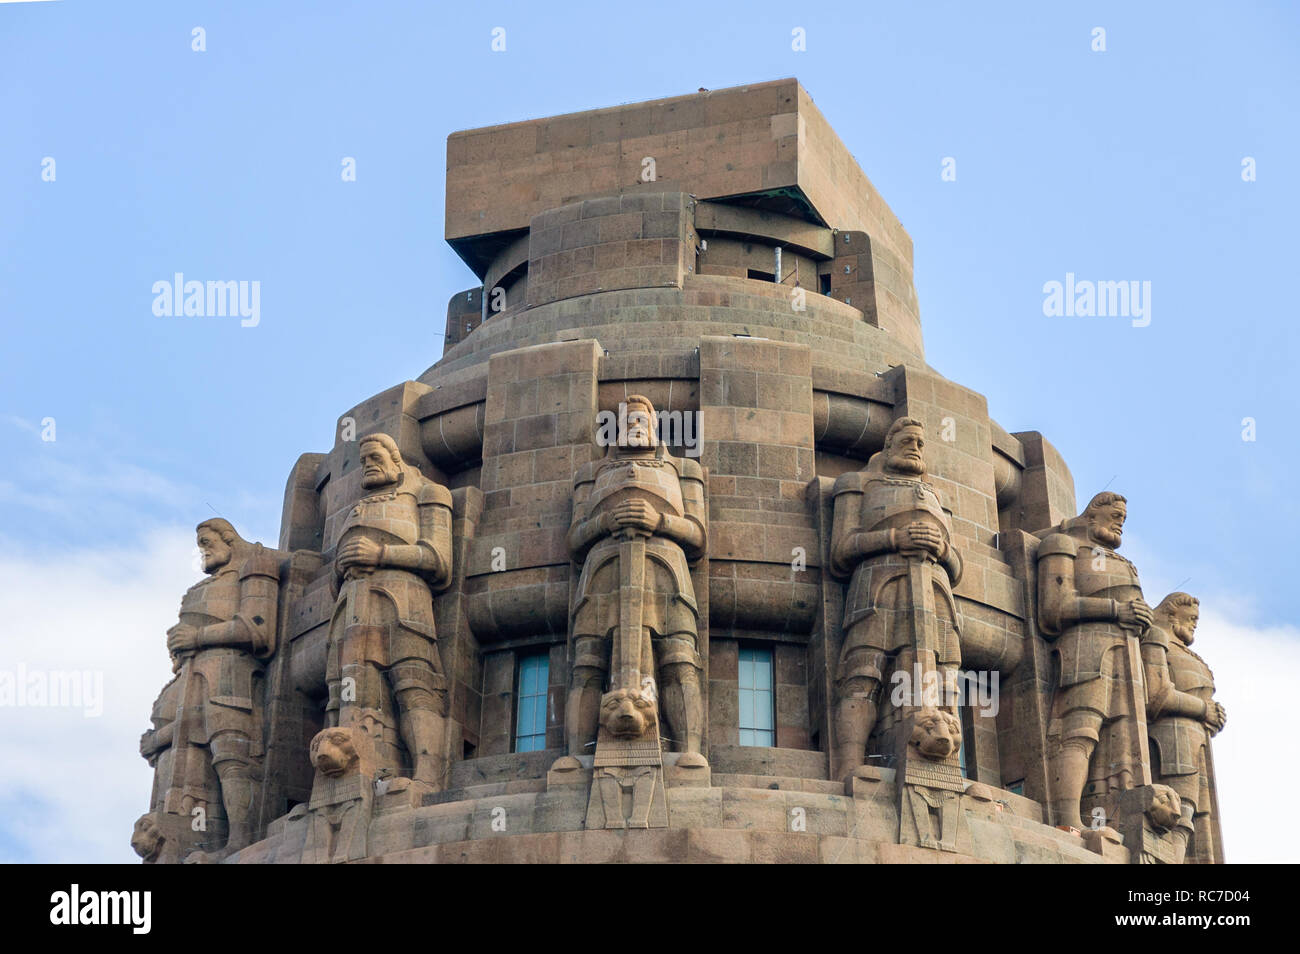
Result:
<point x="765" y="146"/>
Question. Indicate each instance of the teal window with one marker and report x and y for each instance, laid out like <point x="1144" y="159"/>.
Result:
<point x="530" y="702"/>
<point x="757" y="709"/>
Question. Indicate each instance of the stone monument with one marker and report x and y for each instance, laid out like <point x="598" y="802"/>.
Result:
<point x="892" y="540"/>
<point x="394" y="549"/>
<point x="1182" y="717"/>
<point x="206" y="743"/>
<point x="680" y="551"/>
<point x="1090" y="604"/>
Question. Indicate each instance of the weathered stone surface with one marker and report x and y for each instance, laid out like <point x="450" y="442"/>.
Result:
<point x="1090" y="604"/>
<point x="1182" y="717"/>
<point x="802" y="601"/>
<point x="208" y="737"/>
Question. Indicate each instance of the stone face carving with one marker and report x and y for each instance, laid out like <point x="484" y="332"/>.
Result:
<point x="148" y="839"/>
<point x="342" y="801"/>
<point x="892" y="539"/>
<point x="1165" y="808"/>
<point x="206" y="743"/>
<point x="936" y="734"/>
<point x="638" y="521"/>
<point x="333" y="752"/>
<point x="1149" y="816"/>
<point x="930" y="785"/>
<point x="1182" y="717"/>
<point x="383" y="662"/>
<point x="628" y="781"/>
<point x="1090" y="603"/>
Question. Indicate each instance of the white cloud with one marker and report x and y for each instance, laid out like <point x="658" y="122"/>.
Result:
<point x="81" y="782"/>
<point x="1257" y="760"/>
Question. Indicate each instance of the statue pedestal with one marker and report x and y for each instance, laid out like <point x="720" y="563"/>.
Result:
<point x="677" y="775"/>
<point x="1108" y="843"/>
<point x="569" y="772"/>
<point x="399" y="794"/>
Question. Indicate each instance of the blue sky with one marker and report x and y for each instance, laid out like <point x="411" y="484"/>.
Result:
<point x="224" y="164"/>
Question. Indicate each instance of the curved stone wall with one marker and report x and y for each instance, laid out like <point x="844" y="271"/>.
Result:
<point x="760" y="296"/>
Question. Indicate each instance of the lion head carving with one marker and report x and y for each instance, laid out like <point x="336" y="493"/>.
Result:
<point x="936" y="733"/>
<point x="147" y="839"/>
<point x="332" y="752"/>
<point x="1165" y="808"/>
<point x="626" y="713"/>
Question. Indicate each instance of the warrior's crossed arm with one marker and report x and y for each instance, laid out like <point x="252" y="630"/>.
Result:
<point x="849" y="545"/>
<point x="1059" y="604"/>
<point x="153" y="741"/>
<point x="1163" y="697"/>
<point x="253" y="626"/>
<point x="584" y="531"/>
<point x="430" y="555"/>
<point x="951" y="561"/>
<point x="688" y="530"/>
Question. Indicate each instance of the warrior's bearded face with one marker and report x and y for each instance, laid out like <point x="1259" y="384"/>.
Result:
<point x="1184" y="622"/>
<point x="377" y="465"/>
<point x="1106" y="523"/>
<point x="904" y="454"/>
<point x="640" y="427"/>
<point x="214" y="550"/>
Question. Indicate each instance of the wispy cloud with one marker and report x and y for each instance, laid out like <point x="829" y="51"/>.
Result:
<point x="85" y="486"/>
<point x="23" y="424"/>
<point x="80" y="781"/>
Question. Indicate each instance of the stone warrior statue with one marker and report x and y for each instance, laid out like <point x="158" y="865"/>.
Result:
<point x="206" y="745"/>
<point x="1090" y="603"/>
<point x="395" y="547"/>
<point x="1182" y="717"/>
<point x="638" y="520"/>
<point x="891" y="535"/>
